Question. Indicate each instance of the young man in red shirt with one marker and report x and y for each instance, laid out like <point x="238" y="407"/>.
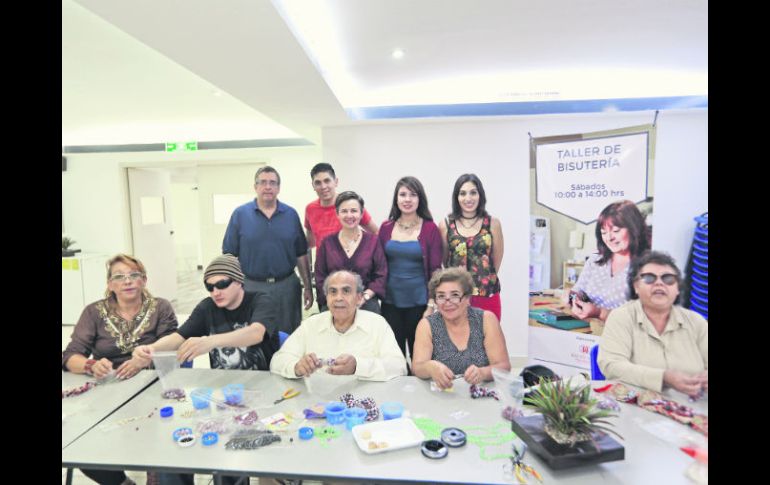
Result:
<point x="320" y="215"/>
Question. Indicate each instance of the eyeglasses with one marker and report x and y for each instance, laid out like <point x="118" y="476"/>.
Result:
<point x="454" y="299"/>
<point x="271" y="183"/>
<point x="651" y="278"/>
<point x="220" y="285"/>
<point x="123" y="277"/>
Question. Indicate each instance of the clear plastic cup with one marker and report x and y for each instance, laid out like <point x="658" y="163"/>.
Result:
<point x="510" y="387"/>
<point x="201" y="397"/>
<point x="166" y="367"/>
<point x="233" y="393"/>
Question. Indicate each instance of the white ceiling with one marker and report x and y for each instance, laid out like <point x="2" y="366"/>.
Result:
<point x="144" y="71"/>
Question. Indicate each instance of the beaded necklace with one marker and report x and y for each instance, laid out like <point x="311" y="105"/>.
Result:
<point x="350" y="245"/>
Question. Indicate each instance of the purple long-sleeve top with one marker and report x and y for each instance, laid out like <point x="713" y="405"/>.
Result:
<point x="368" y="261"/>
<point x="430" y="243"/>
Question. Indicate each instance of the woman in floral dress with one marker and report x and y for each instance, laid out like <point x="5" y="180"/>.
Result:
<point x="474" y="240"/>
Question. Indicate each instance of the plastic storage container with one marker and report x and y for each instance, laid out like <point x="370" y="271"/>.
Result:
<point x="354" y="416"/>
<point x="165" y="366"/>
<point x="233" y="393"/>
<point x="391" y="410"/>
<point x="201" y="397"/>
<point x="334" y="412"/>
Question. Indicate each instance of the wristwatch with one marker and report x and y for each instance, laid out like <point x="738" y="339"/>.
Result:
<point x="367" y="296"/>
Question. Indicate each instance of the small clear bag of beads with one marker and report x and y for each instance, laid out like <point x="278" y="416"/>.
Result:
<point x="324" y="385"/>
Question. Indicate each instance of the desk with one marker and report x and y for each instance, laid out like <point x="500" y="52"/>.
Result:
<point x="84" y="411"/>
<point x="566" y="352"/>
<point x="648" y="459"/>
<point x="552" y="303"/>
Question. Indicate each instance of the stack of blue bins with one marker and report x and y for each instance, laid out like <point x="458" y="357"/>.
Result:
<point x="699" y="285"/>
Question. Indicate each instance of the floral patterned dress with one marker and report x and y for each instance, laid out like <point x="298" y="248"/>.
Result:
<point x="474" y="254"/>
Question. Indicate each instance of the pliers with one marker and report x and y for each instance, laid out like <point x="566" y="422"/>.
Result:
<point x="520" y="468"/>
<point x="287" y="394"/>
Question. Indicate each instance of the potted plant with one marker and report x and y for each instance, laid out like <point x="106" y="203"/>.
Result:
<point x="65" y="247"/>
<point x="570" y="414"/>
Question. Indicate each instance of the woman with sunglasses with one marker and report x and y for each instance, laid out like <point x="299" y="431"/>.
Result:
<point x="651" y="341"/>
<point x="621" y="235"/>
<point x="458" y="340"/>
<point x="109" y="330"/>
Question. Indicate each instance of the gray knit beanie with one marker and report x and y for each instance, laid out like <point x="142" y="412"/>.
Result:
<point x="227" y="265"/>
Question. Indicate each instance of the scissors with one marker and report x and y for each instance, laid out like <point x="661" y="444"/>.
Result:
<point x="521" y="469"/>
<point x="287" y="394"/>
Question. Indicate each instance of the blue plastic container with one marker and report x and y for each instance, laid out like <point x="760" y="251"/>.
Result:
<point x="704" y="282"/>
<point x="391" y="410"/>
<point x="699" y="309"/>
<point x="334" y="412"/>
<point x="354" y="416"/>
<point x="233" y="393"/>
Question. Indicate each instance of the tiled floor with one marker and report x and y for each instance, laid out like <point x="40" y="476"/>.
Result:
<point x="190" y="291"/>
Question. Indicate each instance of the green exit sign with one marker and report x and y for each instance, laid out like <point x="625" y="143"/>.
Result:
<point x="182" y="146"/>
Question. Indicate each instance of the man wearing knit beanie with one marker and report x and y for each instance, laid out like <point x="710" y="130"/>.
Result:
<point x="236" y="328"/>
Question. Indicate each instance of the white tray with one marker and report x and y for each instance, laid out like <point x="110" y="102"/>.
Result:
<point x="395" y="433"/>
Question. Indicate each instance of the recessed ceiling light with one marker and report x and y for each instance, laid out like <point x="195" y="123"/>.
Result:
<point x="398" y="53"/>
<point x="216" y="93"/>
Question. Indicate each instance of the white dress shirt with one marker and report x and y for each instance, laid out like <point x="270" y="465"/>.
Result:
<point x="369" y="339"/>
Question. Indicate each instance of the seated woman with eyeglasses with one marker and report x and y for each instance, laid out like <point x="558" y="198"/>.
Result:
<point x="458" y="340"/>
<point x="651" y="341"/>
<point x="109" y="330"/>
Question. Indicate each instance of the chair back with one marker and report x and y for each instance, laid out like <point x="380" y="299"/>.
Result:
<point x="282" y="336"/>
<point x="596" y="373"/>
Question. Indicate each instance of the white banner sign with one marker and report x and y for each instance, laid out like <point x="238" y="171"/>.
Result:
<point x="566" y="353"/>
<point x="579" y="178"/>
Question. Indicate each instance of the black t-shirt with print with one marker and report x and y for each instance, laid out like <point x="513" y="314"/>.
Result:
<point x="208" y="319"/>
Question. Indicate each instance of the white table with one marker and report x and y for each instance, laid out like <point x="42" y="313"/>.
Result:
<point x="84" y="411"/>
<point x="150" y="447"/>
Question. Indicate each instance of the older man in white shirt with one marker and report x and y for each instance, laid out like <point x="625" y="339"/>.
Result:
<point x="360" y="342"/>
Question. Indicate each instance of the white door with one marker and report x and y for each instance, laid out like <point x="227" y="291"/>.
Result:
<point x="149" y="198"/>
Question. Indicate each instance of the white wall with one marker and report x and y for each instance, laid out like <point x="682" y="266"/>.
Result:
<point x="293" y="164"/>
<point x="370" y="159"/>
<point x="95" y="194"/>
<point x="681" y="181"/>
<point x="95" y="203"/>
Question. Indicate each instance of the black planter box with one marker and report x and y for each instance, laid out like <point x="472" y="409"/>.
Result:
<point x="530" y="430"/>
<point x="67" y="253"/>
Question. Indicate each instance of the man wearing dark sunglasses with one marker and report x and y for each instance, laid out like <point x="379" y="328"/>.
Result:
<point x="651" y="341"/>
<point x="236" y="328"/>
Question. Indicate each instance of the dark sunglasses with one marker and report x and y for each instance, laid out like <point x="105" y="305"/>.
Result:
<point x="651" y="278"/>
<point x="220" y="285"/>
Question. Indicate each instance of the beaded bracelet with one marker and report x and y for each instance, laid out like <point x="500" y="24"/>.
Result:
<point x="88" y="369"/>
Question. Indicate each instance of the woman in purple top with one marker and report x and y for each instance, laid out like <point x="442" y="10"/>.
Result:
<point x="412" y="244"/>
<point x="352" y="249"/>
